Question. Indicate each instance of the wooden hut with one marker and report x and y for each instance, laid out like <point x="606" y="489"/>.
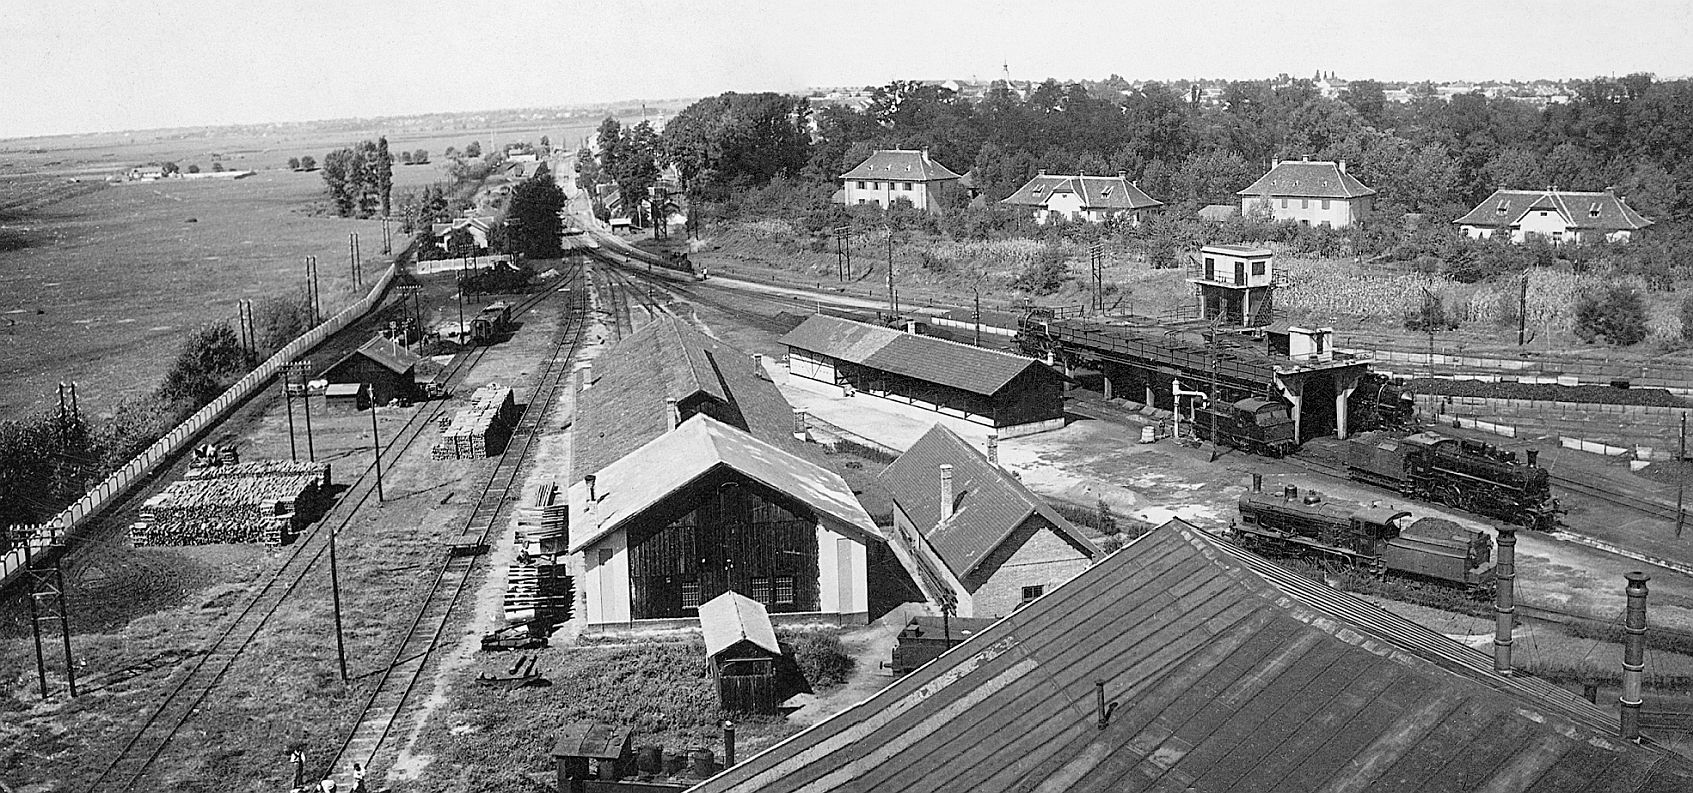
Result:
<point x="346" y="397"/>
<point x="382" y="363"/>
<point x="741" y="646"/>
<point x="591" y="750"/>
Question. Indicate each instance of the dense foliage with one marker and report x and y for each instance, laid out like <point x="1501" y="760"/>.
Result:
<point x="360" y="178"/>
<point x="535" y="229"/>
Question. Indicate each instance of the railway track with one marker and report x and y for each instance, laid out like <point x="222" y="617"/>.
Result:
<point x="141" y="751"/>
<point x="384" y="712"/>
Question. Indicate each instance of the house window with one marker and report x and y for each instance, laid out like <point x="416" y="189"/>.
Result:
<point x="690" y="594"/>
<point x="761" y="589"/>
<point x="784" y="590"/>
<point x="1257" y="268"/>
<point x="1593" y="211"/>
<point x="861" y="184"/>
<point x="1304" y="203"/>
<point x="905" y="185"/>
<point x="1032" y="592"/>
<point x="1325" y="203"/>
<point x="1284" y="203"/>
<point x="860" y="200"/>
<point x="1504" y="206"/>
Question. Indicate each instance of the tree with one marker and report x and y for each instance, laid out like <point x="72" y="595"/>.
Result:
<point x="420" y="157"/>
<point x="307" y="163"/>
<point x="1615" y="313"/>
<point x="546" y="145"/>
<point x="293" y="163"/>
<point x="169" y="168"/>
<point x="209" y="359"/>
<point x="279" y="320"/>
<point x="536" y="228"/>
<point x="384" y="174"/>
<point x="217" y="167"/>
<point x="1429" y="316"/>
<point x="1687" y="318"/>
<point x="193" y="168"/>
<point x="340" y="176"/>
<point x="474" y="150"/>
<point x="405" y="157"/>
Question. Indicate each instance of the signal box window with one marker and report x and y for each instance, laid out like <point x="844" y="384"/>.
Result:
<point x="1257" y="268"/>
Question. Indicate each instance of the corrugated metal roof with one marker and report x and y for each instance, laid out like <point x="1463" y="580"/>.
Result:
<point x="989" y="504"/>
<point x="1596" y="211"/>
<point x="1229" y="674"/>
<point x="962" y="366"/>
<point x="1307" y="179"/>
<point x="731" y="618"/>
<point x="642" y="478"/>
<point x="626" y="406"/>
<point x="907" y="165"/>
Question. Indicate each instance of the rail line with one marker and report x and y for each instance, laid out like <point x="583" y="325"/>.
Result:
<point x="149" y="742"/>
<point x="383" y="710"/>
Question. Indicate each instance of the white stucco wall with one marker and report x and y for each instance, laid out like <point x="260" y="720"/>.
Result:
<point x="842" y="583"/>
<point x="806" y="366"/>
<point x="1340" y="213"/>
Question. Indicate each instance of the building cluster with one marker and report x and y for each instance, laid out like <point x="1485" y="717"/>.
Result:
<point x="1310" y="192"/>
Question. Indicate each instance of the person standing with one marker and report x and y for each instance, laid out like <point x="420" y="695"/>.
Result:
<point x="358" y="778"/>
<point x="298" y="758"/>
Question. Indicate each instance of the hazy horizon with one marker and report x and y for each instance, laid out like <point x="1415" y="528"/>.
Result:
<point x="117" y="65"/>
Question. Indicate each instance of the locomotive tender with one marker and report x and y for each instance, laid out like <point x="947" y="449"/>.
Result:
<point x="1382" y="540"/>
<point x="1470" y="475"/>
<point x="1257" y="425"/>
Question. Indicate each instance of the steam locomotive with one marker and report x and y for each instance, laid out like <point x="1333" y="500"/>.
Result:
<point x="1380" y="540"/>
<point x="1470" y="475"/>
<point x="1380" y="402"/>
<point x="1256" y="425"/>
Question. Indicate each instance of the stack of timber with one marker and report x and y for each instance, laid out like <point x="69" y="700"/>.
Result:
<point x="543" y="523"/>
<point x="480" y="427"/>
<point x="268" y="501"/>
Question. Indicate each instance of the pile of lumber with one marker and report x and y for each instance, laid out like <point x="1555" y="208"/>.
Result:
<point x="480" y="427"/>
<point x="267" y="501"/>
<point x="543" y="522"/>
<point x="538" y="589"/>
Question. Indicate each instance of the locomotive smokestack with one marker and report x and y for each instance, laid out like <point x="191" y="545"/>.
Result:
<point x="946" y="492"/>
<point x="1633" y="655"/>
<point x="1505" y="600"/>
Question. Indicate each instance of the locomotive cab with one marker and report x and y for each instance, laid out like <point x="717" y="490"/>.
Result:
<point x="1374" y="526"/>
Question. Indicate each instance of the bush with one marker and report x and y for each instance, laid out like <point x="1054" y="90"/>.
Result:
<point x="1430" y="315"/>
<point x="1615" y="313"/>
<point x="1045" y="274"/>
<point x="1687" y="318"/>
<point x="820" y="657"/>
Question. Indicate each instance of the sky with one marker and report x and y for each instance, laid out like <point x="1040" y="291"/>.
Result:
<point x="100" y="65"/>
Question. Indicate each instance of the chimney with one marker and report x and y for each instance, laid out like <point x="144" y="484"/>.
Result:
<point x="1341" y="165"/>
<point x="800" y="428"/>
<point x="758" y="364"/>
<point x="728" y="744"/>
<point x="1274" y="164"/>
<point x="593" y="495"/>
<point x="587" y="376"/>
<point x="672" y="413"/>
<point x="1633" y="654"/>
<point x="946" y="492"/>
<point x="1505" y="602"/>
<point x="925" y="153"/>
<point x="911" y="327"/>
<point x="993" y="449"/>
<point x="1042" y="172"/>
<point x="1123" y="175"/>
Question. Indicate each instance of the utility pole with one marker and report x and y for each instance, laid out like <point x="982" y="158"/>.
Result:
<point x="288" y="397"/>
<point x="843" y="253"/>
<point x="303" y="369"/>
<point x="893" y="297"/>
<point x="376" y="446"/>
<point x="1211" y="401"/>
<point x="312" y="297"/>
<point x="410" y="291"/>
<point x="1681" y="477"/>
<point x="387" y="241"/>
<point x="47" y="603"/>
<point x="1522" y="312"/>
<point x="976" y="315"/>
<point x="464" y="264"/>
<point x="1096" y="261"/>
<point x="335" y="592"/>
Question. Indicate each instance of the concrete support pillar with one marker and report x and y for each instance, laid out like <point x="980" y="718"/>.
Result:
<point x="1105" y="375"/>
<point x="1294" y="390"/>
<point x="1344" y="385"/>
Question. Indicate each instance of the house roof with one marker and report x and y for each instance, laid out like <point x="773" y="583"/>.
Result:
<point x="1095" y="192"/>
<point x="988" y="503"/>
<point x="478" y="223"/>
<point x="642" y="478"/>
<point x="344" y="389"/>
<point x="591" y="739"/>
<point x="907" y="165"/>
<point x="1218" y="212"/>
<point x="1601" y="211"/>
<point x="962" y="366"/>
<point x="1229" y="674"/>
<point x="1307" y="179"/>
<point x="670" y="358"/>
<point x="732" y="618"/>
<point x="386" y="352"/>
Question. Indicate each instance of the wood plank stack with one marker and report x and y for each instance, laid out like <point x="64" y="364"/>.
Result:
<point x="539" y="589"/>
<point x="483" y="425"/>
<point x="543" y="522"/>
<point x="267" y="501"/>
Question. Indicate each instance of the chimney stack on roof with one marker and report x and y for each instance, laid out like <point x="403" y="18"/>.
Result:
<point x="1274" y="164"/>
<point x="946" y="492"/>
<point x="993" y="449"/>
<point x="911" y="327"/>
<point x="1123" y="175"/>
<point x="758" y="364"/>
<point x="1633" y="654"/>
<point x="1341" y="165"/>
<point x="1505" y="604"/>
<point x="592" y="495"/>
<point x="672" y="413"/>
<point x="1042" y="172"/>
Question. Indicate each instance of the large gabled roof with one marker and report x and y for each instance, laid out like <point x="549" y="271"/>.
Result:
<point x="1307" y="179"/>
<point x="989" y="504"/>
<point x="1598" y="211"/>
<point x="1229" y="674"/>
<point x="1104" y="193"/>
<point x="901" y="165"/>
<point x="670" y="358"/>
<point x="732" y="618"/>
<point x="962" y="366"/>
<point x="637" y="481"/>
<point x="386" y="352"/>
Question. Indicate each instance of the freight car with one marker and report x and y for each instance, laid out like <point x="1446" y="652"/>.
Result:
<point x="492" y="321"/>
<point x="1470" y="475"/>
<point x="1257" y="425"/>
<point x="1380" y="540"/>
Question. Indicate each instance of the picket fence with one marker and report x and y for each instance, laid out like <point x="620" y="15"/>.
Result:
<point x="78" y="514"/>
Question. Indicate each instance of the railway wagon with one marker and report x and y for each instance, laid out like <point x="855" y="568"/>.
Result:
<point x="489" y="323"/>
<point x="1257" y="425"/>
<point x="1381" y="540"/>
<point x="1470" y="475"/>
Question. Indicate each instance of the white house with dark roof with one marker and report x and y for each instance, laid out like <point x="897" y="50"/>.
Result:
<point x="1312" y="192"/>
<point x="1556" y="216"/>
<point x="1080" y="197"/>
<point x="892" y="174"/>
<point x="971" y="532"/>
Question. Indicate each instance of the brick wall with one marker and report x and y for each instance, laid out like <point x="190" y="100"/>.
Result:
<point x="1034" y="555"/>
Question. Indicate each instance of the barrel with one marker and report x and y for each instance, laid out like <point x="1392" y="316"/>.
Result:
<point x="700" y="763"/>
<point x="674" y="762"/>
<point x="1148" y="434"/>
<point x="649" y="759"/>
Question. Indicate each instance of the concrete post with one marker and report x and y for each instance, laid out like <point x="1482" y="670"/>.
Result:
<point x="1295" y="393"/>
<point x="1343" y="389"/>
<point x="1633" y="654"/>
<point x="1505" y="605"/>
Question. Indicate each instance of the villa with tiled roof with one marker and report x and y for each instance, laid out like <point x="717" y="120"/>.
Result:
<point x="1079" y="197"/>
<point x="892" y="174"/>
<point x="1312" y="192"/>
<point x="1554" y="215"/>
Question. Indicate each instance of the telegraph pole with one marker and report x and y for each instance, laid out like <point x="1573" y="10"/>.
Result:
<point x="387" y="241"/>
<point x="288" y="397"/>
<point x="303" y="369"/>
<point x="1096" y="261"/>
<point x="376" y="446"/>
<point x="1681" y="477"/>
<point x="1522" y="312"/>
<point x="312" y="297"/>
<point x="410" y="291"/>
<point x="893" y="297"/>
<point x="335" y="592"/>
<point x="1216" y="363"/>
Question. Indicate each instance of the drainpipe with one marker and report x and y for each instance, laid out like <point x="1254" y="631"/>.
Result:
<point x="1505" y="602"/>
<point x="1633" y="655"/>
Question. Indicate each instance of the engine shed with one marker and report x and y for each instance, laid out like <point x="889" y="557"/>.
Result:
<point x="1159" y="364"/>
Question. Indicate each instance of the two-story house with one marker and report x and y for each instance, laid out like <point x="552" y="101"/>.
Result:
<point x="892" y="174"/>
<point x="1556" y="216"/>
<point x="1079" y="197"/>
<point x="1312" y="192"/>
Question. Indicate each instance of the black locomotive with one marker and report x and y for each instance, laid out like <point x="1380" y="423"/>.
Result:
<point x="1470" y="475"/>
<point x="1379" y="540"/>
<point x="1379" y="402"/>
<point x="1256" y="425"/>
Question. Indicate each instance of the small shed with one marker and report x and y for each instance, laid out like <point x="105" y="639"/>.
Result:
<point x="346" y="397"/>
<point x="388" y="367"/>
<point x="740" y="645"/>
<point x="591" y="750"/>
